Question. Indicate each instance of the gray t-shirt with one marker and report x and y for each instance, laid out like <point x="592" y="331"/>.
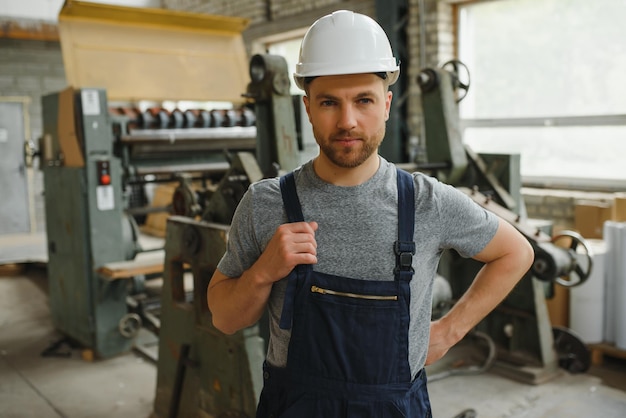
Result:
<point x="355" y="238"/>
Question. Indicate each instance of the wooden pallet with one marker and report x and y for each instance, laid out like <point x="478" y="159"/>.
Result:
<point x="599" y="351"/>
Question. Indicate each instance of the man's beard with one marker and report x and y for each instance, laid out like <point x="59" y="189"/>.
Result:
<point x="350" y="157"/>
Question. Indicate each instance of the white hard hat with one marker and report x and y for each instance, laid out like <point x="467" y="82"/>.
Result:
<point x="345" y="42"/>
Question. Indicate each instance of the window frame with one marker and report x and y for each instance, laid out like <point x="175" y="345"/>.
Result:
<point x="602" y="120"/>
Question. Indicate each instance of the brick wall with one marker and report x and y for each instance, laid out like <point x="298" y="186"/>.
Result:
<point x="254" y="10"/>
<point x="430" y="42"/>
<point x="32" y="69"/>
<point x="558" y="206"/>
<point x="258" y="11"/>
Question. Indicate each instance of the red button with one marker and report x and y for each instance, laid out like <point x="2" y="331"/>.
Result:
<point x="105" y="179"/>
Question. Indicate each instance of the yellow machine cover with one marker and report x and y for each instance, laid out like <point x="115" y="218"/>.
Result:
<point x="153" y="54"/>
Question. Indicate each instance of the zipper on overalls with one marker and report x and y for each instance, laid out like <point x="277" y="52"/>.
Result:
<point x="316" y="289"/>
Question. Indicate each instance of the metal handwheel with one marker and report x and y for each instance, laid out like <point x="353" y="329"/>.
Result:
<point x="129" y="325"/>
<point x="580" y="275"/>
<point x="454" y="67"/>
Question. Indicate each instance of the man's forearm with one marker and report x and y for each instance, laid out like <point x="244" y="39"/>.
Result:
<point x="491" y="285"/>
<point x="507" y="258"/>
<point x="236" y="303"/>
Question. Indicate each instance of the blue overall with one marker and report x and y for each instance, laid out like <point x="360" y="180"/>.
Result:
<point x="348" y="353"/>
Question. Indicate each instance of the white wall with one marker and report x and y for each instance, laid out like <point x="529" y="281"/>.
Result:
<point x="49" y="9"/>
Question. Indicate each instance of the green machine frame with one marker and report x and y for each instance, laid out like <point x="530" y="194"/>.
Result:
<point x="199" y="368"/>
<point x="85" y="222"/>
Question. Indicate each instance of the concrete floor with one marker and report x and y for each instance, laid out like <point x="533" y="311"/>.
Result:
<point x="35" y="386"/>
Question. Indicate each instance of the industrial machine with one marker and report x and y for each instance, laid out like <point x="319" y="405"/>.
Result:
<point x="96" y="158"/>
<point x="520" y="329"/>
<point x="199" y="368"/>
<point x="85" y="224"/>
<point x="94" y="167"/>
<point x="103" y="148"/>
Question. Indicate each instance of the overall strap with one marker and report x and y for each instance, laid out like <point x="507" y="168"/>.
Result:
<point x="294" y="214"/>
<point x="404" y="247"/>
<point x="290" y="198"/>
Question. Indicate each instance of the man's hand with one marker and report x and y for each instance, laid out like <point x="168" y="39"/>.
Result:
<point x="440" y="342"/>
<point x="292" y="244"/>
<point x="238" y="302"/>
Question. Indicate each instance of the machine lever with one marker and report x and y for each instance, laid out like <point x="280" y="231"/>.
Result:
<point x="177" y="391"/>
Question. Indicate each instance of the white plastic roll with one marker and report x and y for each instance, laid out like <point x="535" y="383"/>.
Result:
<point x="620" y="289"/>
<point x="586" y="308"/>
<point x="615" y="283"/>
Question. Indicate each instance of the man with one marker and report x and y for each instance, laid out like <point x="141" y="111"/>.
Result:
<point x="343" y="251"/>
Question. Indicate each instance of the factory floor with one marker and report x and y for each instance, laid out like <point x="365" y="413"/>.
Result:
<point x="36" y="385"/>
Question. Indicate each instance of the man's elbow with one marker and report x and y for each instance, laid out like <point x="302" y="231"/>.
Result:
<point x="529" y="255"/>
<point x="214" y="296"/>
<point x="526" y="257"/>
<point x="219" y="321"/>
<point x="223" y="326"/>
<point x="516" y="247"/>
<point x="229" y="326"/>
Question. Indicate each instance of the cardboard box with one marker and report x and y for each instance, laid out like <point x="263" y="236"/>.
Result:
<point x="558" y="307"/>
<point x="69" y="140"/>
<point x="619" y="207"/>
<point x="155" y="224"/>
<point x="589" y="217"/>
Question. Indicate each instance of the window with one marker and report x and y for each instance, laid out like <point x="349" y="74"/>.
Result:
<point x="546" y="82"/>
<point x="290" y="50"/>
